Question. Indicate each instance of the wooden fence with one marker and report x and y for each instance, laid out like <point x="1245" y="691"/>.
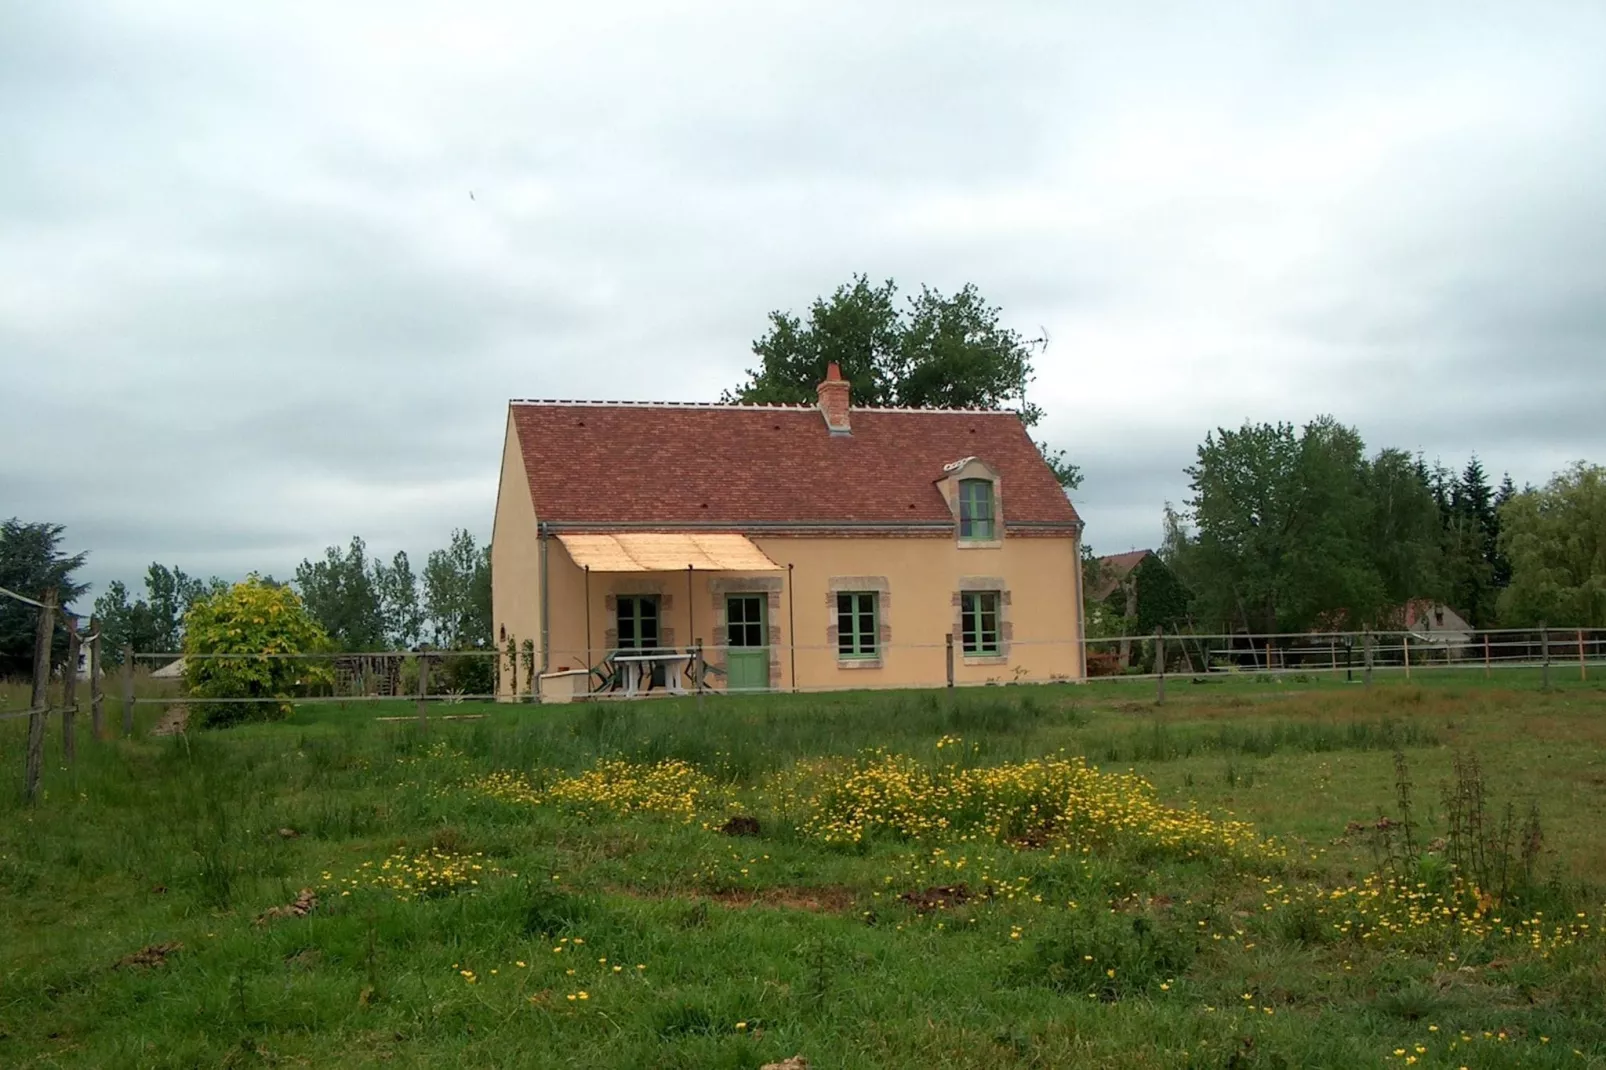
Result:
<point x="40" y="699"/>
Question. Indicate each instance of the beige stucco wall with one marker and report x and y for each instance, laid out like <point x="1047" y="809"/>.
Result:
<point x="918" y="580"/>
<point x="515" y="557"/>
<point x="923" y="577"/>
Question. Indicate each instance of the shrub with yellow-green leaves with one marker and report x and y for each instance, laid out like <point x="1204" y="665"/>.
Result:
<point x="235" y="647"/>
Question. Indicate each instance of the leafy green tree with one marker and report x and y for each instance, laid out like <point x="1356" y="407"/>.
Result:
<point x="457" y="609"/>
<point x="124" y="622"/>
<point x="1163" y="601"/>
<point x="401" y="615"/>
<point x="32" y="562"/>
<point x="340" y="594"/>
<point x="1474" y="567"/>
<point x="457" y="594"/>
<point x="1297" y="530"/>
<point x="1404" y="527"/>
<point x="1282" y="526"/>
<point x="1555" y="538"/>
<point x="154" y="623"/>
<point x="1500" y="562"/>
<point x="1092" y="571"/>
<point x="255" y="625"/>
<point x="946" y="351"/>
<point x="170" y="594"/>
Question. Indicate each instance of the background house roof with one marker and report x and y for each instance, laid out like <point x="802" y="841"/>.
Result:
<point x="733" y="466"/>
<point x="1113" y="571"/>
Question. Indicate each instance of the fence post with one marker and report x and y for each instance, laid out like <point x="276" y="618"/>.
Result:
<point x="1366" y="656"/>
<point x="1583" y="666"/>
<point x="1544" y="646"/>
<point x="97" y="694"/>
<point x="1159" y="663"/>
<point x="423" y="690"/>
<point x="697" y="673"/>
<point x="69" y="695"/>
<point x="39" y="705"/>
<point x="1405" y="645"/>
<point x="128" y="690"/>
<point x="1486" y="665"/>
<point x="949" y="651"/>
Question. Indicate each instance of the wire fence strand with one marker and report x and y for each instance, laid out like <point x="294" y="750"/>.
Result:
<point x="523" y="674"/>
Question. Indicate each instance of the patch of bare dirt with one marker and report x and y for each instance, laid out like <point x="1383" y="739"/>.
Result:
<point x="796" y="1062"/>
<point x="740" y="825"/>
<point x="826" y="900"/>
<point x="1133" y="904"/>
<point x="299" y="908"/>
<point x="938" y="897"/>
<point x="1035" y="839"/>
<point x="149" y="956"/>
<point x="816" y="900"/>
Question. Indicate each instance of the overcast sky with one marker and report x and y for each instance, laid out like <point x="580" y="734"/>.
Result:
<point x="248" y="307"/>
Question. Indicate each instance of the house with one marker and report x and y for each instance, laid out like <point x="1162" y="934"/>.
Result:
<point x="1117" y="587"/>
<point x="803" y="546"/>
<point x="1140" y="590"/>
<point x="1115" y="573"/>
<point x="1436" y="624"/>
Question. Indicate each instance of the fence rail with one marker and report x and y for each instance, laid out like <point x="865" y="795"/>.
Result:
<point x="1547" y="649"/>
<point x="376" y="676"/>
<point x="434" y="677"/>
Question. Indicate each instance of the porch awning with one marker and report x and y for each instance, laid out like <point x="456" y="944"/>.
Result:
<point x="654" y="551"/>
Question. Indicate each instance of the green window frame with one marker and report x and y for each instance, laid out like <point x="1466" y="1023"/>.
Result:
<point x="978" y="622"/>
<point x="977" y="518"/>
<point x="744" y="621"/>
<point x="636" y="622"/>
<point x="857" y="625"/>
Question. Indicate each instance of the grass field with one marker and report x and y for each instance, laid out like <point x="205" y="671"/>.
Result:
<point x="926" y="881"/>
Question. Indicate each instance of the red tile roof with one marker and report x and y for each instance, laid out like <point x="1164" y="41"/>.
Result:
<point x="1113" y="569"/>
<point x="737" y="467"/>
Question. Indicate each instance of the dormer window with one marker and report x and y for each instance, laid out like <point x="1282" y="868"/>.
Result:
<point x="977" y="515"/>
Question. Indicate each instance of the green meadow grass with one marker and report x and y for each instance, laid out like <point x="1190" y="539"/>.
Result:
<point x="737" y="951"/>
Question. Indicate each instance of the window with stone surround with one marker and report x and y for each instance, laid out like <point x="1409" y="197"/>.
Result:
<point x="856" y="625"/>
<point x="979" y="623"/>
<point x="982" y="627"/>
<point x="858" y="620"/>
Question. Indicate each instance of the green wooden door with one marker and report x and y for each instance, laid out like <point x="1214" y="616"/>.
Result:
<point x="748" y="659"/>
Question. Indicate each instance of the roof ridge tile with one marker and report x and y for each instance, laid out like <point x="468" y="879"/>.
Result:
<point x="749" y="406"/>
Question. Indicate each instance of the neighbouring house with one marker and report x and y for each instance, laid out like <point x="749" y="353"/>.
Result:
<point x="1425" y="624"/>
<point x="1115" y="574"/>
<point x="804" y="546"/>
<point x="1141" y="588"/>
<point x="1436" y="624"/>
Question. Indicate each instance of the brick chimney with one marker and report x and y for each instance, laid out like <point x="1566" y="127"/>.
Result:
<point x="833" y="397"/>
